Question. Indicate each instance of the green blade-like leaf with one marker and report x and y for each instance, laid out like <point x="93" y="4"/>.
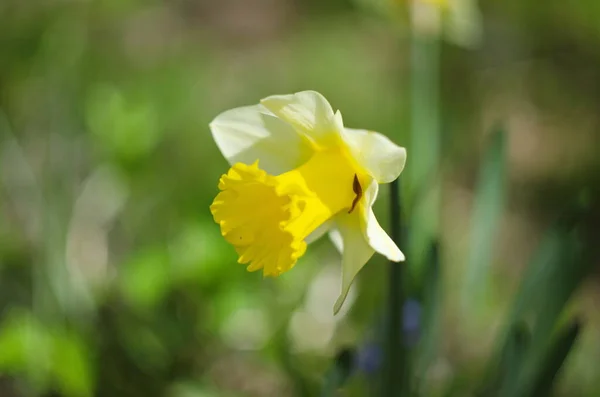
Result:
<point x="423" y="174"/>
<point x="431" y="318"/>
<point x="555" y="358"/>
<point x="488" y="207"/>
<point x="518" y="342"/>
<point x="556" y="270"/>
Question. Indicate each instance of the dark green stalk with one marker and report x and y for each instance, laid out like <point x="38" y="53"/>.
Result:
<point x="395" y="374"/>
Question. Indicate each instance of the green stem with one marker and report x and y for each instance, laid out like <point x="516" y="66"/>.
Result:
<point x="396" y="379"/>
<point x="424" y="158"/>
<point x="422" y="178"/>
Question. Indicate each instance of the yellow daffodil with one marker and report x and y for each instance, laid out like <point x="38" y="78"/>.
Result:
<point x="296" y="173"/>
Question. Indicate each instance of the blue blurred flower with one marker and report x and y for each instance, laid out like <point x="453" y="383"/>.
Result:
<point x="370" y="356"/>
<point x="411" y="321"/>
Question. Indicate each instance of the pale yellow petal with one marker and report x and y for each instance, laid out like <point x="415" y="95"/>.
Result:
<point x="356" y="253"/>
<point x="309" y="113"/>
<point x="336" y="239"/>
<point x="251" y="133"/>
<point x="464" y="23"/>
<point x="376" y="237"/>
<point x="358" y="236"/>
<point x="376" y="153"/>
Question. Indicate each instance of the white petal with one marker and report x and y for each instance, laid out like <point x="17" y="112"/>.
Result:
<point x="464" y="23"/>
<point x="380" y="241"/>
<point x="356" y="253"/>
<point x="358" y="236"/>
<point x="308" y="112"/>
<point x="382" y="158"/>
<point x="251" y="133"/>
<point x="376" y="237"/>
<point x="336" y="238"/>
<point x="319" y="232"/>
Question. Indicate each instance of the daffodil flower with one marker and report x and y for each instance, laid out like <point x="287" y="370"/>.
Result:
<point x="460" y="20"/>
<point x="296" y="173"/>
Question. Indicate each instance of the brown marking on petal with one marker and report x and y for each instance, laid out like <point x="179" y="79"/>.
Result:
<point x="358" y="190"/>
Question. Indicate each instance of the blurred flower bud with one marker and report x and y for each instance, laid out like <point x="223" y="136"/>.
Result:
<point x="369" y="358"/>
<point x="411" y="321"/>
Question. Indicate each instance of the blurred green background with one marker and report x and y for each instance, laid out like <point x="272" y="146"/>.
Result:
<point x="114" y="280"/>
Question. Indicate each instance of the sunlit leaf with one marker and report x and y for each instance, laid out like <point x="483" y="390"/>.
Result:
<point x="125" y="128"/>
<point x="71" y="364"/>
<point x="25" y="348"/>
<point x="46" y="357"/>
<point x="198" y="254"/>
<point x="145" y="279"/>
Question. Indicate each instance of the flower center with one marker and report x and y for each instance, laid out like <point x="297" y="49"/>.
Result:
<point x="267" y="218"/>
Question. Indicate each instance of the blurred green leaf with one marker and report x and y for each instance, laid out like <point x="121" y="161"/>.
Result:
<point x="229" y="301"/>
<point x="518" y="341"/>
<point x="190" y="390"/>
<point x="125" y="128"/>
<point x="197" y="389"/>
<point x="554" y="273"/>
<point x="63" y="44"/>
<point x="25" y="347"/>
<point x="423" y="172"/>
<point x="198" y="254"/>
<point x="145" y="279"/>
<point x="488" y="207"/>
<point x="46" y="356"/>
<point x="144" y="346"/>
<point x="71" y="364"/>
